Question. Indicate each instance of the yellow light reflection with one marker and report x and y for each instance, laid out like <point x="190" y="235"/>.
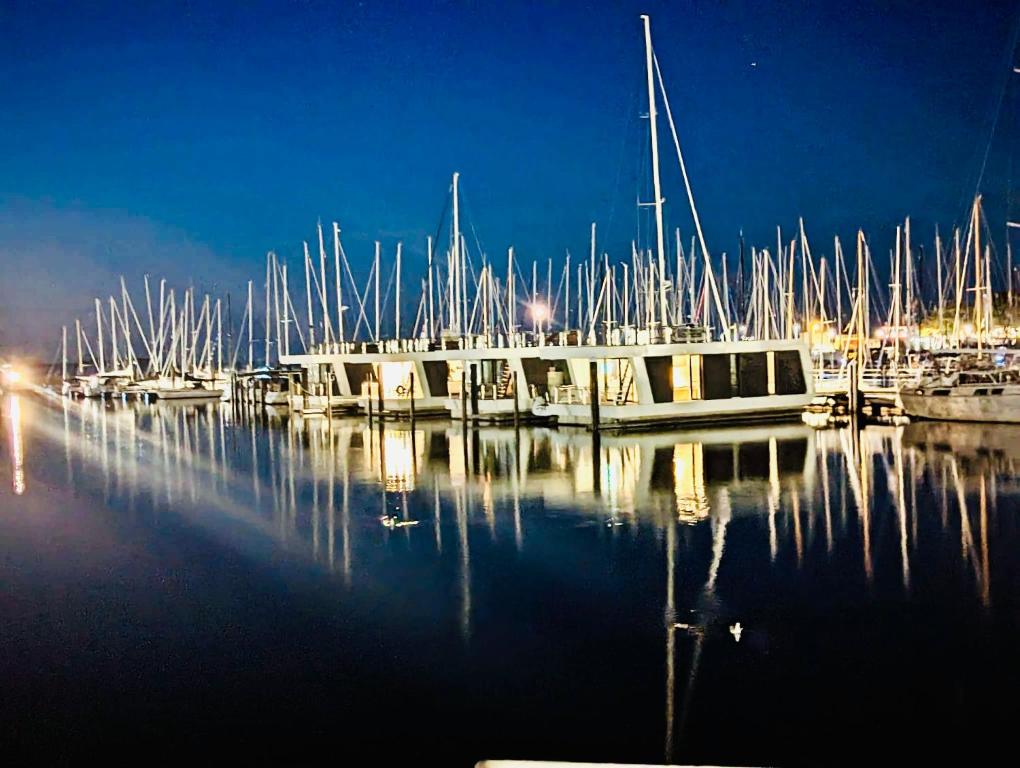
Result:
<point x="17" y="446"/>
<point x="689" y="482"/>
<point x="396" y="469"/>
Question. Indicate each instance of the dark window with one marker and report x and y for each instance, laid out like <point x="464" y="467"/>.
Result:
<point x="437" y="377"/>
<point x="718" y="462"/>
<point x="940" y="392"/>
<point x="357" y="373"/>
<point x="663" y="470"/>
<point x="752" y="374"/>
<point x="981" y="391"/>
<point x="789" y="373"/>
<point x="536" y="372"/>
<point x="715" y="370"/>
<point x="660" y="378"/>
<point x="754" y="461"/>
<point x="791" y="455"/>
<point x="996" y="391"/>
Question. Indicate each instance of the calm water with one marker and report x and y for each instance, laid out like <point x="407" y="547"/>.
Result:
<point x="175" y="582"/>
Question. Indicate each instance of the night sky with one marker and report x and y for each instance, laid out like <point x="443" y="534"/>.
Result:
<point x="187" y="139"/>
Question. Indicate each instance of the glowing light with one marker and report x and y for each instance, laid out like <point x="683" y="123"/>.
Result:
<point x="11" y="376"/>
<point x="539" y="312"/>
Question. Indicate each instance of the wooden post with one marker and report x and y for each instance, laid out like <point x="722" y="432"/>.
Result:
<point x="368" y="393"/>
<point x="474" y="390"/>
<point x="593" y="396"/>
<point x="517" y="404"/>
<point x="330" y="378"/>
<point x="463" y="395"/>
<point x="379" y="383"/>
<point x="412" y="407"/>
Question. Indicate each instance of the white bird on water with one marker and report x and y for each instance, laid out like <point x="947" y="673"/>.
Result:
<point x="736" y="630"/>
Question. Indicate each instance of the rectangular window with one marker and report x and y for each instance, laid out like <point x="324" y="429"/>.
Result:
<point x="686" y="378"/>
<point x="752" y="374"/>
<point x="789" y="373"/>
<point x="716" y="377"/>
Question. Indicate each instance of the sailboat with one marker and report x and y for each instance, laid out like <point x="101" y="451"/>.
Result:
<point x="980" y="387"/>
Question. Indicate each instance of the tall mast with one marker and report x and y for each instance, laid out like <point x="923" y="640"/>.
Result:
<point x="339" y="293"/>
<point x="976" y="228"/>
<point x="269" y="266"/>
<point x="323" y="297"/>
<point x="938" y="277"/>
<point x="897" y="317"/>
<point x="285" y="344"/>
<point x="566" y="297"/>
<point x="376" y="270"/>
<point x="308" y="297"/>
<point x="251" y="331"/>
<point x="396" y="303"/>
<point x="432" y="323"/>
<point x="77" y="336"/>
<point x="219" y="338"/>
<point x="277" y="272"/>
<point x="99" y="334"/>
<point x="457" y="277"/>
<point x="660" y="247"/>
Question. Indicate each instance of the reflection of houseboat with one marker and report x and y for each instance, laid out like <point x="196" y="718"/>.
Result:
<point x="677" y="472"/>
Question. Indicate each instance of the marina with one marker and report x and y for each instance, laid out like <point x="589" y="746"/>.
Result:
<point x="643" y="394"/>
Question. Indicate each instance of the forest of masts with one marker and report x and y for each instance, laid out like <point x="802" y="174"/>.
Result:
<point x="466" y="296"/>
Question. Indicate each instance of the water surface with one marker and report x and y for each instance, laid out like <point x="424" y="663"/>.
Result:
<point x="175" y="580"/>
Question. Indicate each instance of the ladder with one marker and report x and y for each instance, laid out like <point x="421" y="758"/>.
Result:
<point x="623" y="393"/>
<point x="506" y="382"/>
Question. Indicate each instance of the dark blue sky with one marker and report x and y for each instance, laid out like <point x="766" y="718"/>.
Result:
<point x="189" y="138"/>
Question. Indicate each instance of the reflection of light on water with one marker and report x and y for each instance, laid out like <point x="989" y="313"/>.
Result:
<point x="400" y="461"/>
<point x="689" y="482"/>
<point x="621" y="469"/>
<point x="17" y="446"/>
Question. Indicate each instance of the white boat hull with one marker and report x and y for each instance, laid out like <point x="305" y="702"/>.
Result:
<point x="1004" y="408"/>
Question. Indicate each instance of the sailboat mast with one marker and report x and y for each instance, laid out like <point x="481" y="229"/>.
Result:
<point x="660" y="247"/>
<point x="457" y="277"/>
<point x="976" y="229"/>
<point x="432" y="324"/>
<point x="337" y="281"/>
<point x="396" y="302"/>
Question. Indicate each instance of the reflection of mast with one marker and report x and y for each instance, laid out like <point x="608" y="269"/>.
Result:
<point x="966" y="536"/>
<point x="798" y="536"/>
<point x="718" y="538"/>
<point x="465" y="563"/>
<point x="773" y="497"/>
<point x="826" y="500"/>
<point x="857" y="472"/>
<point x="670" y="635"/>
<point x="901" y="505"/>
<point x="986" y="597"/>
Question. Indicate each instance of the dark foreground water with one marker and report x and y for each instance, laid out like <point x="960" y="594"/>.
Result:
<point x="177" y="585"/>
